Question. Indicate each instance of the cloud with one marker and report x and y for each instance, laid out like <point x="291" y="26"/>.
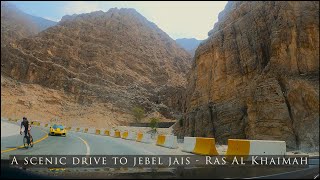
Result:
<point x="52" y="18"/>
<point x="78" y="7"/>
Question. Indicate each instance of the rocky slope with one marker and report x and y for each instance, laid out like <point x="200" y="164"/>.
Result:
<point x="189" y="44"/>
<point x="257" y="76"/>
<point x="15" y="24"/>
<point x="115" y="59"/>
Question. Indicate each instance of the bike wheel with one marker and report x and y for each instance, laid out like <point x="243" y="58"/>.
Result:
<point x="31" y="142"/>
<point x="25" y="142"/>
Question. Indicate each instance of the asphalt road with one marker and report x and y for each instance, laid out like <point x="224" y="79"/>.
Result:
<point x="77" y="143"/>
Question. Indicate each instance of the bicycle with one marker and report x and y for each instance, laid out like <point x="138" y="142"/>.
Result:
<point x="27" y="141"/>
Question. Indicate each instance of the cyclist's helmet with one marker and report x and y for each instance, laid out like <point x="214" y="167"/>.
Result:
<point x="24" y="118"/>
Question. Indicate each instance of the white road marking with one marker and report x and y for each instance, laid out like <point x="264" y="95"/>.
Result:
<point x="87" y="145"/>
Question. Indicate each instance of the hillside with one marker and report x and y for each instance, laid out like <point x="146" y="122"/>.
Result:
<point x="99" y="65"/>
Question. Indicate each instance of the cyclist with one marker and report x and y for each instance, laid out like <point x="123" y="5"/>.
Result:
<point x="27" y="127"/>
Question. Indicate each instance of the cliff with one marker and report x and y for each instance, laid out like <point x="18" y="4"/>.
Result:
<point x="115" y="60"/>
<point x="257" y="76"/>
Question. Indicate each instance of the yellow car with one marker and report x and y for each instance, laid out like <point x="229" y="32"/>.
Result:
<point x="58" y="130"/>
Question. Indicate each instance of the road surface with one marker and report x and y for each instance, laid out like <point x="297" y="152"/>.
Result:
<point x="77" y="143"/>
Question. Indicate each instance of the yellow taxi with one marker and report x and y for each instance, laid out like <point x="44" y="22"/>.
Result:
<point x="58" y="129"/>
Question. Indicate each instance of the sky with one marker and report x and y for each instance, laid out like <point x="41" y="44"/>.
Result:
<point x="189" y="19"/>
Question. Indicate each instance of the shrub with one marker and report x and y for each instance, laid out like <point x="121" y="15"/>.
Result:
<point x="154" y="123"/>
<point x="181" y="122"/>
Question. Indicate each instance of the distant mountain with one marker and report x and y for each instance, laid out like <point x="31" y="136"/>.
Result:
<point x="189" y="44"/>
<point x="42" y="23"/>
<point x="15" y="24"/>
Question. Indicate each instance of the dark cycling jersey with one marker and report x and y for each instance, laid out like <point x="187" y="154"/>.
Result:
<point x="25" y="124"/>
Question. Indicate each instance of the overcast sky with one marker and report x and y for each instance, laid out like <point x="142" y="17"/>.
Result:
<point x="189" y="19"/>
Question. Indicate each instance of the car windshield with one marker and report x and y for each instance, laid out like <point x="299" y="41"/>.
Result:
<point x="57" y="126"/>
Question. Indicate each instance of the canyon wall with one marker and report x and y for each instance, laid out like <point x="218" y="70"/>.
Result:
<point x="257" y="76"/>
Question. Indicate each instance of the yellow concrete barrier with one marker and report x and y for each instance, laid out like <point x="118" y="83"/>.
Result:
<point x="124" y="135"/>
<point x="238" y="147"/>
<point x="46" y="125"/>
<point x="78" y="129"/>
<point x="139" y="137"/>
<point x="245" y="148"/>
<point x="107" y="132"/>
<point x="200" y="145"/>
<point x="98" y="131"/>
<point x="168" y="141"/>
<point x="129" y="135"/>
<point x="161" y="139"/>
<point x="205" y="146"/>
<point x="117" y="134"/>
<point x="144" y="137"/>
<point x="86" y="130"/>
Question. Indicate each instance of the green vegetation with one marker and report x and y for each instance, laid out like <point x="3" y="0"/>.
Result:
<point x="138" y="113"/>
<point x="154" y="123"/>
<point x="181" y="122"/>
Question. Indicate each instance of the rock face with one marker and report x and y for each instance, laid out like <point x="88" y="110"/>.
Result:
<point x="257" y="76"/>
<point x="116" y="57"/>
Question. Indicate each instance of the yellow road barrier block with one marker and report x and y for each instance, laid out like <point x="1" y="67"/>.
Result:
<point x="205" y="146"/>
<point x="117" y="134"/>
<point x="124" y="135"/>
<point x="46" y="125"/>
<point x="238" y="148"/>
<point x="77" y="129"/>
<point x="245" y="148"/>
<point x="98" y="131"/>
<point x="161" y="139"/>
<point x="85" y="130"/>
<point x="107" y="132"/>
<point x="139" y="137"/>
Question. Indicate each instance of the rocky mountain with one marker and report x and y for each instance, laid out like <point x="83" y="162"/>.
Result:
<point x="257" y="76"/>
<point x="42" y="23"/>
<point x="94" y="68"/>
<point x="15" y="24"/>
<point x="189" y="44"/>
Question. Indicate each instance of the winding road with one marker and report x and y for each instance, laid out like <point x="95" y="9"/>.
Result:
<point x="77" y="143"/>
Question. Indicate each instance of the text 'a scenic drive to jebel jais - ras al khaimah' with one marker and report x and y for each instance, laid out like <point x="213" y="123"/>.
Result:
<point x="154" y="161"/>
